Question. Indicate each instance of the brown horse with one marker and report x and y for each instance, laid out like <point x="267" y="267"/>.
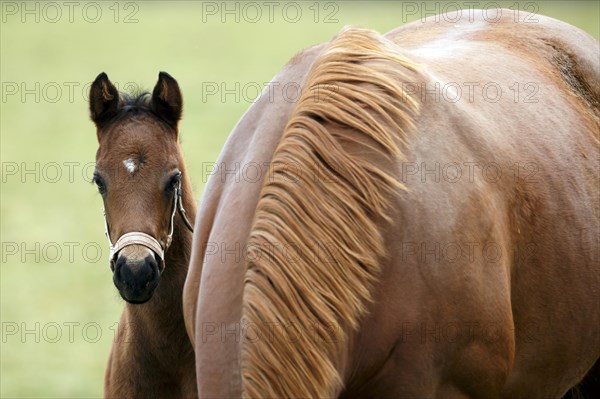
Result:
<point x="141" y="175"/>
<point x="425" y="224"/>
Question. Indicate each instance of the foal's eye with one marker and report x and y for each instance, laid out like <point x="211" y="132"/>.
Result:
<point x="174" y="181"/>
<point x="100" y="183"/>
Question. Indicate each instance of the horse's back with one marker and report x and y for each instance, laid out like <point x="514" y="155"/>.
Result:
<point x="528" y="36"/>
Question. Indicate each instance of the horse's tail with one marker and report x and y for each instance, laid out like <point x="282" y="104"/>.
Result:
<point x="315" y="246"/>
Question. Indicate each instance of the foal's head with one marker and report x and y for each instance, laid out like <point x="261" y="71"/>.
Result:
<point x="138" y="173"/>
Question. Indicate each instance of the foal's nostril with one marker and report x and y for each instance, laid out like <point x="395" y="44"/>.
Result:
<point x="121" y="260"/>
<point x="153" y="263"/>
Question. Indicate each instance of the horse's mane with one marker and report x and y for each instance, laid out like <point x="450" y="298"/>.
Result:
<point x="315" y="245"/>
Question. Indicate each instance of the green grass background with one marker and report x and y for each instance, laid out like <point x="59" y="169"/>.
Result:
<point x="167" y="36"/>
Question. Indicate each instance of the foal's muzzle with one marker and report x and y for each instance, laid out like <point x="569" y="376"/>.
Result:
<point x="136" y="274"/>
<point x="137" y="259"/>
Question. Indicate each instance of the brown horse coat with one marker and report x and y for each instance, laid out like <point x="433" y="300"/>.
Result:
<point x="460" y="223"/>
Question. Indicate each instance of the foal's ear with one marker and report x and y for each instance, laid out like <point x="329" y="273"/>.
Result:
<point x="166" y="99"/>
<point x="104" y="100"/>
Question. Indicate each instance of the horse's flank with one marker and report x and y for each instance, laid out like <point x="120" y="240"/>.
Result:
<point x="325" y="203"/>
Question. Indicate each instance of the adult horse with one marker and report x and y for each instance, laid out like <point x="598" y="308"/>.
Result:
<point x="141" y="175"/>
<point x="425" y="226"/>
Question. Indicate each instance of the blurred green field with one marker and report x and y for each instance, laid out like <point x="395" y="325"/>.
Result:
<point x="58" y="303"/>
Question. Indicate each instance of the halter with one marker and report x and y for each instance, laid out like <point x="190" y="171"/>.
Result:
<point x="146" y="240"/>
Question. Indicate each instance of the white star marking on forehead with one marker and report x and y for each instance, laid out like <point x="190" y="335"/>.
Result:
<point x="130" y="165"/>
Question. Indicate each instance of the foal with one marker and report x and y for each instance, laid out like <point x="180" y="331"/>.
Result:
<point x="140" y="173"/>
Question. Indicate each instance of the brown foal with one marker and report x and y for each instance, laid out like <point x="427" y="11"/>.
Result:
<point x="140" y="173"/>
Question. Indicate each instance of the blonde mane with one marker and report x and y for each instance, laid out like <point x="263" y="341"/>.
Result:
<point x="315" y="246"/>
